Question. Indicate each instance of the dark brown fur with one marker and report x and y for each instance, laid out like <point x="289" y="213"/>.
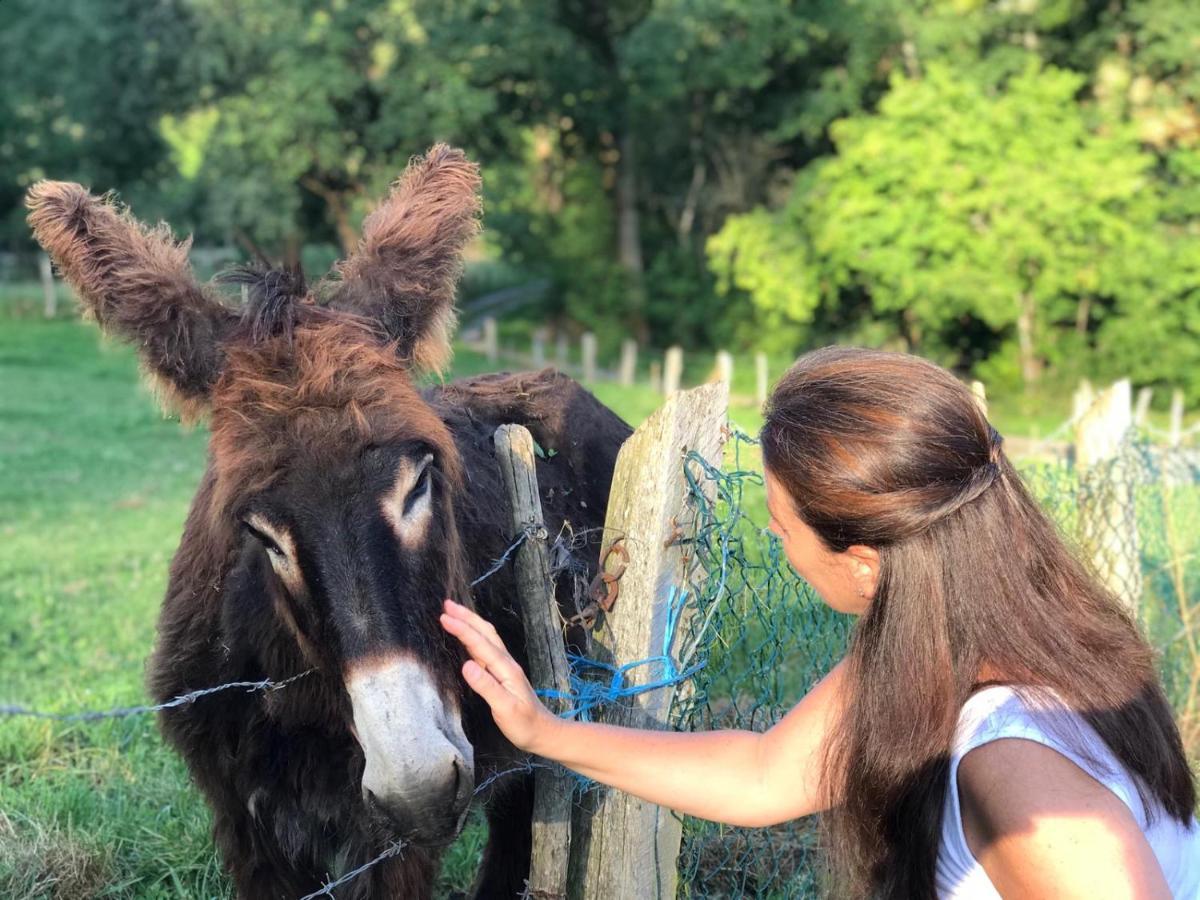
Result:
<point x="302" y="394"/>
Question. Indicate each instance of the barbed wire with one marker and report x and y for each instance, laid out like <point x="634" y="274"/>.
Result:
<point x="326" y="890"/>
<point x="187" y="699"/>
<point x="265" y="684"/>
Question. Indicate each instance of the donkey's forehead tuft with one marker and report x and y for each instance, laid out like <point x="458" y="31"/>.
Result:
<point x="325" y="393"/>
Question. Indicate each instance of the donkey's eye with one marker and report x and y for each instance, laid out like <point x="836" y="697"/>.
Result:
<point x="266" y="540"/>
<point x="419" y="490"/>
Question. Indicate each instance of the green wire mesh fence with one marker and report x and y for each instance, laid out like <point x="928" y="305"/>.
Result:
<point x="764" y="638"/>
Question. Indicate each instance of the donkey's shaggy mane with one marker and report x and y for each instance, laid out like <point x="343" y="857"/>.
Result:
<point x="328" y="380"/>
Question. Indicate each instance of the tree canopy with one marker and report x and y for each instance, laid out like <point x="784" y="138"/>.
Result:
<point x="1012" y="188"/>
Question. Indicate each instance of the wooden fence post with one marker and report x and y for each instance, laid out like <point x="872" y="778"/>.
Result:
<point x="1143" y="406"/>
<point x="49" y="290"/>
<point x="560" y="351"/>
<point x="628" y="849"/>
<point x="1175" y="435"/>
<point x="491" y="348"/>
<point x="1085" y="396"/>
<point x="539" y="348"/>
<point x="587" y="351"/>
<point x="760" y="378"/>
<point x="672" y="370"/>
<point x="629" y="350"/>
<point x="548" y="668"/>
<point x="1108" y="529"/>
<point x="723" y="367"/>
<point x="656" y="376"/>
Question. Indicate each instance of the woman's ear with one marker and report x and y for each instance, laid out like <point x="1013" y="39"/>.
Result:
<point x="864" y="568"/>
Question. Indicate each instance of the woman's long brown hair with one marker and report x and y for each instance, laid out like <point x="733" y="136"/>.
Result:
<point x="890" y="451"/>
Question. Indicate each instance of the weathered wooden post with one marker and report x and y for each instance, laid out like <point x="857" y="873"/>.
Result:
<point x="1175" y="434"/>
<point x="1085" y="396"/>
<point x="979" y="392"/>
<point x="656" y="376"/>
<point x="552" y="801"/>
<point x="1108" y="529"/>
<point x="1143" y="406"/>
<point x="538" y="354"/>
<point x="491" y="346"/>
<point x="672" y="370"/>
<point x="627" y="849"/>
<point x="560" y="352"/>
<point x="628" y="372"/>
<point x="760" y="378"/>
<point x="49" y="291"/>
<point x="723" y="366"/>
<point x="587" y="352"/>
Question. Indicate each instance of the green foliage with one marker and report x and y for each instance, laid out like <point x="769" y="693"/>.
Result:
<point x="83" y="86"/>
<point x="1008" y="187"/>
<point x="957" y="205"/>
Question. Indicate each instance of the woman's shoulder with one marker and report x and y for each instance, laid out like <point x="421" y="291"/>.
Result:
<point x="1027" y="768"/>
<point x="1034" y="726"/>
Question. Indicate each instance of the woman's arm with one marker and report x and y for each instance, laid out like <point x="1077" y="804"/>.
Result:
<point x="736" y="777"/>
<point x="1042" y="827"/>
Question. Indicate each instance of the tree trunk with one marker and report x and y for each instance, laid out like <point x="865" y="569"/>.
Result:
<point x="629" y="240"/>
<point x="1083" y="312"/>
<point x="335" y="200"/>
<point x="1031" y="369"/>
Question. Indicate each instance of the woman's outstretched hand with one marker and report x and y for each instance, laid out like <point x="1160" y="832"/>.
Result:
<point x="493" y="674"/>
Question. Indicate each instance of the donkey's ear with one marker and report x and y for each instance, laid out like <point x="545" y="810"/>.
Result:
<point x="137" y="283"/>
<point x="405" y="270"/>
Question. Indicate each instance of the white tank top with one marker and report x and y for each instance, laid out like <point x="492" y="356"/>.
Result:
<point x="1000" y="712"/>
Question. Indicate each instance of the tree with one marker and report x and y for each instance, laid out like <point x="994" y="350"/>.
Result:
<point x="84" y="84"/>
<point x="955" y="204"/>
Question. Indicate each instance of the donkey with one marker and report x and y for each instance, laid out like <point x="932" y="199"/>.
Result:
<point x="340" y="505"/>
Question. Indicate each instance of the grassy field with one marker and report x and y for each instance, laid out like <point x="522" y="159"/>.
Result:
<point x="94" y="485"/>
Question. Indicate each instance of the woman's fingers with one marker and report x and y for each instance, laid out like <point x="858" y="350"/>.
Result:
<point x="483" y="650"/>
<point x="491" y="656"/>
<point x="480" y="624"/>
<point x="483" y="683"/>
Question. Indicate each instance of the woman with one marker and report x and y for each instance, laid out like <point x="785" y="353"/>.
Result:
<point x="997" y="727"/>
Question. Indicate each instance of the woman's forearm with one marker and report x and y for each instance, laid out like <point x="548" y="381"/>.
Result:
<point x="736" y="777"/>
<point x="716" y="775"/>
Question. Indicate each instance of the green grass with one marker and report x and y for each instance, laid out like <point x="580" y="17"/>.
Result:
<point x="94" y="486"/>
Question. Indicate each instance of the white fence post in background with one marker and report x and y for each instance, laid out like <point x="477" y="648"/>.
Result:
<point x="587" y="351"/>
<point x="491" y="348"/>
<point x="761" y="378"/>
<point x="49" y="291"/>
<point x="723" y="368"/>
<point x="1143" y="406"/>
<point x="656" y="376"/>
<point x="980" y="394"/>
<point x="672" y="370"/>
<point x="539" y="348"/>
<point x="628" y="849"/>
<point x="628" y="362"/>
<point x="1175" y="435"/>
<point x="1108" y="529"/>
<point x="560" y="351"/>
<point x="1085" y="396"/>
